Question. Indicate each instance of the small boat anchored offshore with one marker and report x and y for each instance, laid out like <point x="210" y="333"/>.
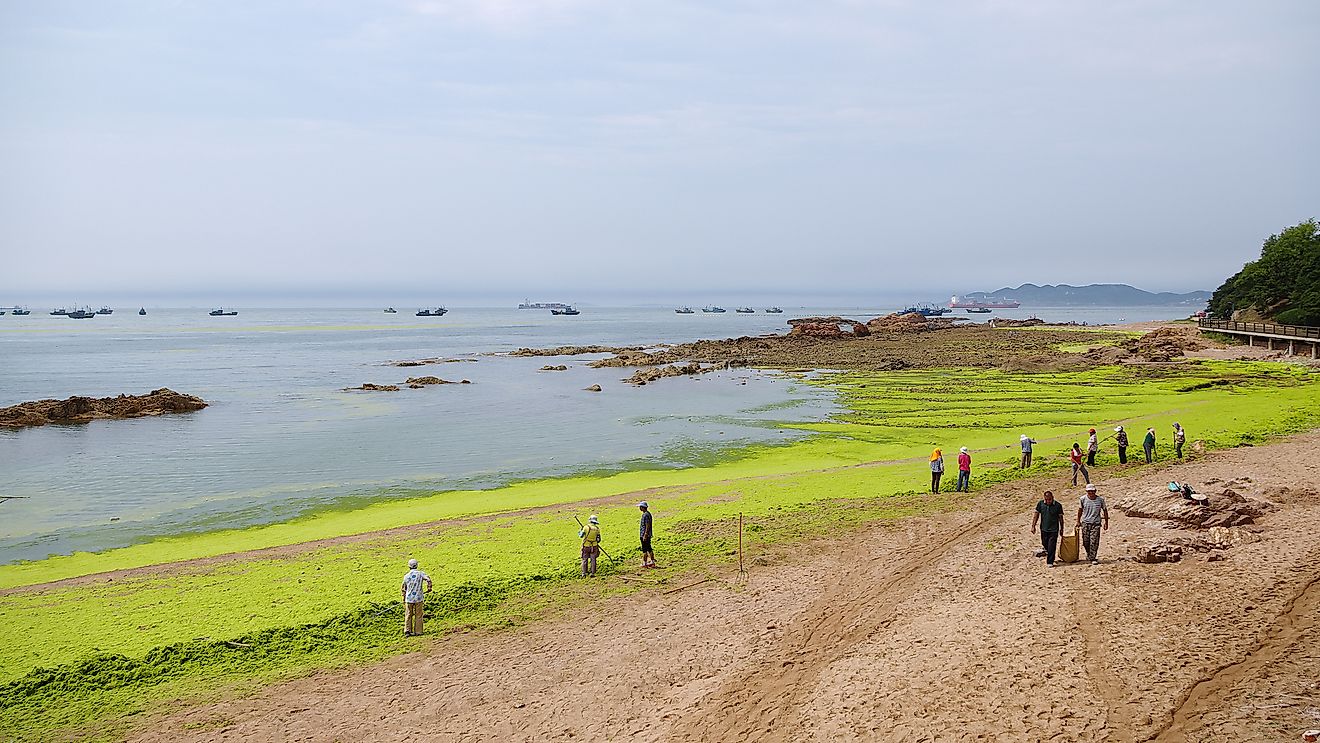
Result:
<point x="569" y="310"/>
<point x="142" y="310"/>
<point x="59" y="311"/>
<point x="83" y="314"/>
<point x="105" y="310"/>
<point x="774" y="311"/>
<point x="745" y="310"/>
<point x="391" y="311"/>
<point x="222" y="312"/>
<point x="712" y="308"/>
<point x="22" y="311"/>
<point x="684" y="310"/>
<point x="436" y="312"/>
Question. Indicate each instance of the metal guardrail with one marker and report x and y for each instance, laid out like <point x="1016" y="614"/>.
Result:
<point x="1290" y="331"/>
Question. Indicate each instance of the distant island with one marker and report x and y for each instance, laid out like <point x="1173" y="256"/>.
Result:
<point x="1094" y="295"/>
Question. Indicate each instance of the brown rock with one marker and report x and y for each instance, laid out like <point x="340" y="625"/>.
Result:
<point x="370" y="387"/>
<point x="83" y="409"/>
<point x="421" y="381"/>
<point x="593" y="388"/>
<point x="560" y="367"/>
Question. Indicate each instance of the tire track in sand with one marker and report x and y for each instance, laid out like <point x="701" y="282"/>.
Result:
<point x="856" y="604"/>
<point x="1295" y="622"/>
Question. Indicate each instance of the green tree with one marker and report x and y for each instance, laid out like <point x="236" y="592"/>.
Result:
<point x="1283" y="284"/>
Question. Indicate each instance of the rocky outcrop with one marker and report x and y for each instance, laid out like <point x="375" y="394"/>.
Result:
<point x="423" y="381"/>
<point x="1224" y="509"/>
<point x="655" y="373"/>
<point x="557" y="367"/>
<point x="593" y="388"/>
<point x="370" y="387"/>
<point x="425" y="362"/>
<point x="84" y="409"/>
<point x="1165" y="344"/>
<point x="572" y="350"/>
<point x="827" y="327"/>
<point x="1216" y="539"/>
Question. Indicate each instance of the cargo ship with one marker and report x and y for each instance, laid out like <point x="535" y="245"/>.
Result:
<point x="991" y="303"/>
<point x="530" y="305"/>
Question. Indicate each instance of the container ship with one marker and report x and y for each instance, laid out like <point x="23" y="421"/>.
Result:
<point x="991" y="303"/>
<point x="530" y="305"/>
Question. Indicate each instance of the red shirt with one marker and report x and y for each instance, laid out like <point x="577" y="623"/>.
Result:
<point x="1075" y="456"/>
<point x="965" y="462"/>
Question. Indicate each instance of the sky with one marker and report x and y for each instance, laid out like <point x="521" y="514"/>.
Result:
<point x="648" y="149"/>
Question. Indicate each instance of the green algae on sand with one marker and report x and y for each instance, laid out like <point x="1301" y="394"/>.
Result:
<point x="495" y="561"/>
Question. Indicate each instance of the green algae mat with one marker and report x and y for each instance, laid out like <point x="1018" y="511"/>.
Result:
<point x="83" y="658"/>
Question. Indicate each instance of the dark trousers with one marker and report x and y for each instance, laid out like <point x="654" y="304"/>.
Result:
<point x="1050" y="541"/>
<point x="1090" y="459"/>
<point x="964" y="481"/>
<point x="1122" y="455"/>
<point x="1085" y="474"/>
<point x="1177" y="449"/>
<point x="935" y="481"/>
<point x="1150" y="453"/>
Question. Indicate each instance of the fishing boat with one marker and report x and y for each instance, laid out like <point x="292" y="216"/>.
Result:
<point x="222" y="312"/>
<point x="82" y="314"/>
<point x="391" y="311"/>
<point x="570" y="310"/>
<point x="978" y="310"/>
<point x="712" y="308"/>
<point x="142" y="310"/>
<point x="105" y="311"/>
<point x="774" y="311"/>
<point x="22" y="311"/>
<point x="2" y="312"/>
<point x="684" y="310"/>
<point x="744" y="310"/>
<point x="59" y="311"/>
<point x="436" y="312"/>
<point x="527" y="304"/>
<point x="925" y="311"/>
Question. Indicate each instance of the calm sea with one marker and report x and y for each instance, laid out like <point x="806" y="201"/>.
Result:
<point x="280" y="438"/>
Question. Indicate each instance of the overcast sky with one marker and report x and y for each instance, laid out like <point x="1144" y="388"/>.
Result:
<point x="637" y="149"/>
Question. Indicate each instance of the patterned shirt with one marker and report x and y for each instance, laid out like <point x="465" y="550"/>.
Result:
<point x="412" y="585"/>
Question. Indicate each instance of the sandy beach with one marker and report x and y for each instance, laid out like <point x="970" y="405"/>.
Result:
<point x="942" y="628"/>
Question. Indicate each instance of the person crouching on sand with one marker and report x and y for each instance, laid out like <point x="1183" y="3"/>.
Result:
<point x="590" y="535"/>
<point x="1049" y="515"/>
<point x="648" y="557"/>
<point x="936" y="470"/>
<point x="1076" y="456"/>
<point x="1091" y="513"/>
<point x="413" y="596"/>
<point x="964" y="471"/>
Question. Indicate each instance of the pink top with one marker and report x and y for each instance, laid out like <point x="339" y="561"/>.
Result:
<point x="965" y="462"/>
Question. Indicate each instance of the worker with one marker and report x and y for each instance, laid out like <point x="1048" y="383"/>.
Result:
<point x="1120" y="436"/>
<point x="648" y="557"/>
<point x="1148" y="445"/>
<point x="964" y="471"/>
<point x="1092" y="516"/>
<point x="590" y="535"/>
<point x="413" y="596"/>
<point x="1076" y="456"/>
<point x="936" y="470"/>
<point x="1026" y="442"/>
<point x="1092" y="446"/>
<point x="1179" y="438"/>
<point x="1049" y="515"/>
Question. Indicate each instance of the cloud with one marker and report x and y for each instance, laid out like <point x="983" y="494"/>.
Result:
<point x="501" y="15"/>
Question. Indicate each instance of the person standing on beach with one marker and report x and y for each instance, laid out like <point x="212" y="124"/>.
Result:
<point x="936" y="470"/>
<point x="413" y="598"/>
<point x="1092" y="516"/>
<point x="1076" y="456"/>
<point x="1179" y="438"/>
<point x="1092" y="446"/>
<point x="1148" y="445"/>
<point x="590" y="535"/>
<point x="1120" y="436"/>
<point x="964" y="471"/>
<point x="1026" y="442"/>
<point x="1049" y="515"/>
<point x="648" y="557"/>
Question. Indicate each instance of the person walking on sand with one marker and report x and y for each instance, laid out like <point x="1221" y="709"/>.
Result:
<point x="413" y="596"/>
<point x="936" y="470"/>
<point x="1092" y="446"/>
<point x="648" y="557"/>
<point x="1179" y="438"/>
<point x="1049" y="515"/>
<point x="1092" y="516"/>
<point x="1120" y="437"/>
<point x="1148" y="445"/>
<point x="1026" y="442"/>
<point x="1076" y="456"/>
<point x="964" y="471"/>
<point x="590" y="535"/>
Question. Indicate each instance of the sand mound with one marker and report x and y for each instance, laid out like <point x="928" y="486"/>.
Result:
<point x="84" y="409"/>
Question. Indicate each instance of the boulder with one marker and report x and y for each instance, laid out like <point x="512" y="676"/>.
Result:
<point x="559" y="367"/>
<point x="370" y="387"/>
<point x="79" y="409"/>
<point x="423" y="381"/>
<point x="593" y="388"/>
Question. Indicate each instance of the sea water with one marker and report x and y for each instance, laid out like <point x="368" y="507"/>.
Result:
<point x="281" y="437"/>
